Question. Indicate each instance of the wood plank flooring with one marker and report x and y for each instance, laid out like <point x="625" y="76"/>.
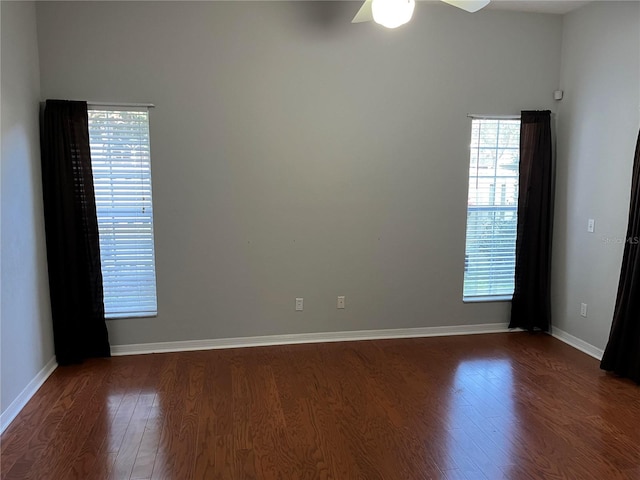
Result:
<point x="512" y="406"/>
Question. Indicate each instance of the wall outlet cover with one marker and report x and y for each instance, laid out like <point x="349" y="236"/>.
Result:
<point x="583" y="309"/>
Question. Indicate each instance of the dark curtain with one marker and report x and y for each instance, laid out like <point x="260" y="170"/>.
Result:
<point x="622" y="354"/>
<point x="531" y="304"/>
<point x="73" y="249"/>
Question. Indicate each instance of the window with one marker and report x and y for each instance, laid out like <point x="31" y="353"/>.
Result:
<point x="492" y="211"/>
<point x="120" y="157"/>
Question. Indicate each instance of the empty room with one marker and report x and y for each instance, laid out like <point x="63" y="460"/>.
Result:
<point x="376" y="240"/>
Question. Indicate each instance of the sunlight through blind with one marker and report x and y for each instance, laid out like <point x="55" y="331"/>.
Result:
<point x="492" y="211"/>
<point x="120" y="157"/>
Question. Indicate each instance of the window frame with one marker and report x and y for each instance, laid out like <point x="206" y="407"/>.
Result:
<point x="498" y="297"/>
<point x="143" y="109"/>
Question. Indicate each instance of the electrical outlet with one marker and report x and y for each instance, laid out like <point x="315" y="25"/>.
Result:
<point x="299" y="304"/>
<point x="583" y="309"/>
<point x="591" y="225"/>
<point x="341" y="302"/>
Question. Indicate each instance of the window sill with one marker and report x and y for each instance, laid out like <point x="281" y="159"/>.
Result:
<point x="491" y="298"/>
<point x="126" y="316"/>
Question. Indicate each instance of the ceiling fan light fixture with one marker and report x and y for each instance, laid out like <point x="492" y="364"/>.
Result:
<point x="392" y="13"/>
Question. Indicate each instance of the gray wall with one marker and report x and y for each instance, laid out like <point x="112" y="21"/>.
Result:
<point x="598" y="124"/>
<point x="296" y="154"/>
<point x="25" y="315"/>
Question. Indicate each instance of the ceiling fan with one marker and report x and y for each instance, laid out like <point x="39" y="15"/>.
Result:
<point x="393" y="13"/>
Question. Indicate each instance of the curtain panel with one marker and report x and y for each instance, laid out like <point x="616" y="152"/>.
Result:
<point x="73" y="249"/>
<point x="622" y="354"/>
<point x="531" y="304"/>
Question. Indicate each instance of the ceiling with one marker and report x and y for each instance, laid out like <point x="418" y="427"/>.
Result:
<point x="557" y="6"/>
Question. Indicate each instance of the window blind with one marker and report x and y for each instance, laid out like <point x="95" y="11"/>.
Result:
<point x="492" y="211"/>
<point x="120" y="157"/>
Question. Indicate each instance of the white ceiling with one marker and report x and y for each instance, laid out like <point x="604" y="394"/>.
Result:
<point x="543" y="6"/>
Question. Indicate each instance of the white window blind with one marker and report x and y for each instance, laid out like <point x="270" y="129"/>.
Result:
<point x="492" y="208"/>
<point x="120" y="157"/>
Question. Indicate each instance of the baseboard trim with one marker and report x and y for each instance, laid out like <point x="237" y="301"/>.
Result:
<point x="291" y="339"/>
<point x="12" y="411"/>
<point x="577" y="343"/>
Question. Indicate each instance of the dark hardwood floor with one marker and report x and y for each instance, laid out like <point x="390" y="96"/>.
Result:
<point x="513" y="406"/>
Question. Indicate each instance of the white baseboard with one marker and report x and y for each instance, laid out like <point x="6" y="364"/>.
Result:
<point x="21" y="400"/>
<point x="240" y="342"/>
<point x="575" y="342"/>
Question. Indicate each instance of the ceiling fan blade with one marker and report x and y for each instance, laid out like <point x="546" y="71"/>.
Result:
<point x="365" y="14"/>
<point x="470" y="6"/>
